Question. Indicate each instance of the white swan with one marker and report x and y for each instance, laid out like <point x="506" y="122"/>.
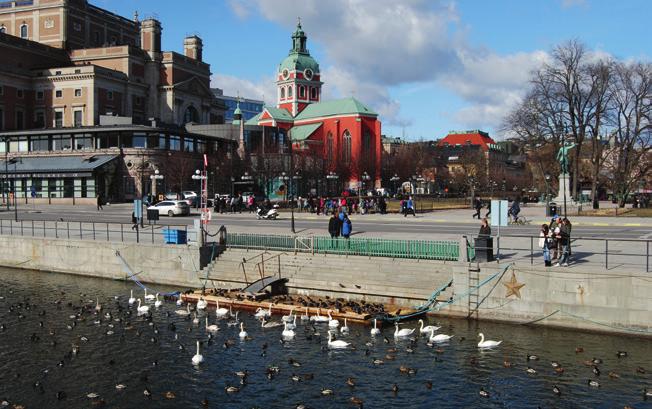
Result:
<point x="262" y="313"/>
<point x="182" y="311"/>
<point x="331" y="322"/>
<point x="197" y="358"/>
<point x="305" y="317"/>
<point x="336" y="344"/>
<point x="195" y="320"/>
<point x="287" y="333"/>
<point x="243" y="334"/>
<point x="271" y="324"/>
<point x="319" y="318"/>
<point x="157" y="303"/>
<point x="345" y="328"/>
<point x="202" y="303"/>
<point x="220" y="312"/>
<point x="488" y="343"/>
<point x="288" y="318"/>
<point x="403" y="332"/>
<point x="211" y="328"/>
<point x="439" y="337"/>
<point x="180" y="302"/>
<point x="428" y="329"/>
<point x="142" y="309"/>
<point x="131" y="297"/>
<point x="148" y="297"/>
<point x="375" y="331"/>
<point x="293" y="324"/>
<point x="98" y="306"/>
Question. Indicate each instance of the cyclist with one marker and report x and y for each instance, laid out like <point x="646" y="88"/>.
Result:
<point x="514" y="210"/>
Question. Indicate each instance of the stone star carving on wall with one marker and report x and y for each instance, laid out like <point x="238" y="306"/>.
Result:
<point x="513" y="287"/>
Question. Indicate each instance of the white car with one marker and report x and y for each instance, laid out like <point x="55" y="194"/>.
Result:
<point x="171" y="208"/>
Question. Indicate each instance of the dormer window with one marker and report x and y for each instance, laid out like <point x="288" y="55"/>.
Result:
<point x="24" y="32"/>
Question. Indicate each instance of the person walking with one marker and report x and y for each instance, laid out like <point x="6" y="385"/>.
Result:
<point x="544" y="244"/>
<point x="477" y="205"/>
<point x="134" y="221"/>
<point x="554" y="231"/>
<point x="347" y="227"/>
<point x="334" y="226"/>
<point x="564" y="239"/>
<point x="410" y="208"/>
<point x="99" y="203"/>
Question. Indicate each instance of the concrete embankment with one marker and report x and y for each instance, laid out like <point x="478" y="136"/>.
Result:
<point x="592" y="300"/>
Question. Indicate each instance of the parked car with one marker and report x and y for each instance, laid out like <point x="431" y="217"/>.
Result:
<point x="171" y="196"/>
<point x="171" y="208"/>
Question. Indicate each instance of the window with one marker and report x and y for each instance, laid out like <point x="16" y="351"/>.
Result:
<point x="78" y="117"/>
<point x="346" y="148"/>
<point x="39" y="119"/>
<point x="20" y="144"/>
<point x="313" y="93"/>
<point x="23" y="31"/>
<point x="201" y="146"/>
<point x="188" y="144"/>
<point x="290" y="92"/>
<point x="96" y="37"/>
<point x="61" y="143"/>
<point x="20" y="93"/>
<point x="130" y="185"/>
<point x="39" y="143"/>
<point x="83" y="141"/>
<point x="139" y="140"/>
<point x="109" y="95"/>
<point x="329" y="148"/>
<point x="39" y="95"/>
<point x="162" y="141"/>
<point x="78" y="92"/>
<point x="77" y="71"/>
<point x="302" y="91"/>
<point x="58" y="119"/>
<point x="175" y="143"/>
<point x="20" y="120"/>
<point x="190" y="115"/>
<point x="58" y="93"/>
<point x="153" y="141"/>
<point x="282" y="92"/>
<point x="107" y="140"/>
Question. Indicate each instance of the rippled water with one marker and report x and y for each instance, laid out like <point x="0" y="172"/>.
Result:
<point x="35" y="365"/>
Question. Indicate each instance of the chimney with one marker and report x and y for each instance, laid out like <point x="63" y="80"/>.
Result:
<point x="150" y="35"/>
<point x="192" y="47"/>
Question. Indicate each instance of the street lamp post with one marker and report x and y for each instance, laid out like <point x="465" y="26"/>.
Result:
<point x="15" y="162"/>
<point x="202" y="178"/>
<point x="155" y="178"/>
<point x="547" y="178"/>
<point x="285" y="178"/>
<point x="363" y="178"/>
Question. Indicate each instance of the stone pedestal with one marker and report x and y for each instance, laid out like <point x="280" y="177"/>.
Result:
<point x="564" y="186"/>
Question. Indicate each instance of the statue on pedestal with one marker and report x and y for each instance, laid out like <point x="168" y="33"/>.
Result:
<point x="562" y="157"/>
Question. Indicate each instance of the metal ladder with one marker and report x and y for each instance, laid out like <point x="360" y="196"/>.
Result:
<point x="474" y="291"/>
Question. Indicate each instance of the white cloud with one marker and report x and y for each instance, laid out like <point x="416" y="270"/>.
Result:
<point x="234" y="86"/>
<point x="240" y="8"/>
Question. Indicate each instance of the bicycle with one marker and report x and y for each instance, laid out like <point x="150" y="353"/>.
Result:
<point x="520" y="220"/>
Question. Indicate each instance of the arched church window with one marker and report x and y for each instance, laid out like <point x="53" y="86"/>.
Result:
<point x="290" y="92"/>
<point x="190" y="115"/>
<point x="313" y="93"/>
<point x="302" y="91"/>
<point x="23" y="31"/>
<point x="282" y="92"/>
<point x="346" y="147"/>
<point x="329" y="148"/>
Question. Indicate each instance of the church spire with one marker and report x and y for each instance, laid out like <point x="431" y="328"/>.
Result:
<point x="299" y="39"/>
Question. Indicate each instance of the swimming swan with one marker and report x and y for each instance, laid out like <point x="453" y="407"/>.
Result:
<point x="403" y="332"/>
<point x="142" y="309"/>
<point x="487" y="343"/>
<point x="375" y="331"/>
<point x="336" y="344"/>
<point x="243" y="334"/>
<point x="220" y="312"/>
<point x="197" y="358"/>
<point x="428" y="329"/>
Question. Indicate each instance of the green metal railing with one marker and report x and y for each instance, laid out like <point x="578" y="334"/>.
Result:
<point x="372" y="247"/>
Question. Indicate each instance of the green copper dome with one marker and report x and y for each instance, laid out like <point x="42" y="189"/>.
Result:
<point x="299" y="58"/>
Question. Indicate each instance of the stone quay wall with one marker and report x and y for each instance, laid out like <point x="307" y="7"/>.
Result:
<point x="606" y="301"/>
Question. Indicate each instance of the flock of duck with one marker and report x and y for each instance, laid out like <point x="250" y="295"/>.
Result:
<point x="117" y="314"/>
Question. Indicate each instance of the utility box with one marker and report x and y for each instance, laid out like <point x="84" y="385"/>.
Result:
<point x="484" y="249"/>
<point x="173" y="236"/>
<point x="152" y="214"/>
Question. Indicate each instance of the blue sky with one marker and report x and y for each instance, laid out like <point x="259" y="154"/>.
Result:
<point x="426" y="66"/>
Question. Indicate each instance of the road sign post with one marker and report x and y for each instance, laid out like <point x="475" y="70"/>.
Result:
<point x="499" y="218"/>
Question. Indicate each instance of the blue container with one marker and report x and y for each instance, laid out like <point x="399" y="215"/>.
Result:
<point x="175" y="236"/>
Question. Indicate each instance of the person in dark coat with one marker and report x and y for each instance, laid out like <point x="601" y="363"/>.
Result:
<point x="334" y="226"/>
<point x="485" y="230"/>
<point x="347" y="227"/>
<point x="477" y="205"/>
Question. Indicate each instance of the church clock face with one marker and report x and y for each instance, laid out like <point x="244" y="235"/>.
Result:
<point x="285" y="74"/>
<point x="307" y="73"/>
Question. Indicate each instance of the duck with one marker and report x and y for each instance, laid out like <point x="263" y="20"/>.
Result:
<point x="262" y="313"/>
<point x="375" y="331"/>
<point x="182" y="311"/>
<point x="287" y="333"/>
<point x="197" y="358"/>
<point x="331" y="322"/>
<point x="243" y="334"/>
<point x="647" y="393"/>
<point x="621" y="354"/>
<point x="593" y="383"/>
<point x="531" y="357"/>
<point x="488" y="343"/>
<point x="556" y="390"/>
<point x="270" y="324"/>
<point x="202" y="303"/>
<point x="337" y="344"/>
<point x="157" y="303"/>
<point x="428" y="329"/>
<point x="148" y="297"/>
<point x="142" y="309"/>
<point x="531" y="370"/>
<point x="345" y="328"/>
<point x="439" y="337"/>
<point x="484" y="393"/>
<point x="405" y="332"/>
<point x="288" y="318"/>
<point x="220" y="312"/>
<point x="212" y="327"/>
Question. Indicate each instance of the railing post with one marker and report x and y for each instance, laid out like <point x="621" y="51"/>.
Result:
<point x="21" y="227"/>
<point x="606" y="254"/>
<point x="93" y="230"/>
<point x="531" y="250"/>
<point x="56" y="230"/>
<point x="81" y="235"/>
<point x="68" y="228"/>
<point x="1" y="232"/>
<point x="122" y="233"/>
<point x="44" y="229"/>
<point x="32" y="228"/>
<point x="151" y="226"/>
<point x="107" y="232"/>
<point x="11" y="227"/>
<point x="647" y="256"/>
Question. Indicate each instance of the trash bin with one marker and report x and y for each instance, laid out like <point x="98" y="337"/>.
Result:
<point x="152" y="214"/>
<point x="173" y="236"/>
<point x="551" y="210"/>
<point x="484" y="249"/>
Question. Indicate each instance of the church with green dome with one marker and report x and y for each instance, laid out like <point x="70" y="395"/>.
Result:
<point x="345" y="133"/>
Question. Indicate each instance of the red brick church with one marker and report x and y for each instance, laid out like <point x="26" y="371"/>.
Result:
<point x="344" y="132"/>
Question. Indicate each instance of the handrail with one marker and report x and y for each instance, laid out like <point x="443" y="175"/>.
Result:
<point x="277" y="256"/>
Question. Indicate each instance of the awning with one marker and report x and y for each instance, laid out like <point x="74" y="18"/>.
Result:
<point x="54" y="166"/>
<point x="303" y="132"/>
